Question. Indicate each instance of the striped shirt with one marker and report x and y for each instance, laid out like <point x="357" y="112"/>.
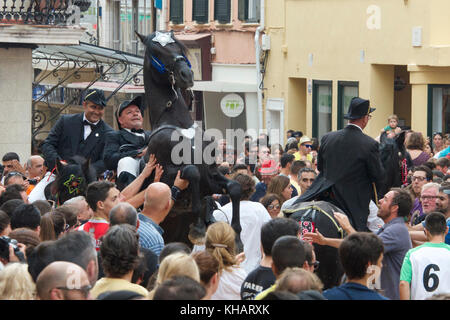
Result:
<point x="150" y="234"/>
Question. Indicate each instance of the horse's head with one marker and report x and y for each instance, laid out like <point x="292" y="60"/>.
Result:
<point x="73" y="178"/>
<point x="166" y="56"/>
<point x="395" y="160"/>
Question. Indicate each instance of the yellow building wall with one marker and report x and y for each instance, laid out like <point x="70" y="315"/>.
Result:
<point x="356" y="40"/>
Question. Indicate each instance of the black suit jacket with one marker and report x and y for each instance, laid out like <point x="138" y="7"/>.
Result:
<point x="66" y="139"/>
<point x="349" y="162"/>
<point x="130" y="143"/>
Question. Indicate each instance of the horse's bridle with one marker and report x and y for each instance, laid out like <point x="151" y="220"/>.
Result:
<point x="162" y="69"/>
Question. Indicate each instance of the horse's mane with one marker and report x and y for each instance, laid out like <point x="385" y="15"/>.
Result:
<point x="72" y="179"/>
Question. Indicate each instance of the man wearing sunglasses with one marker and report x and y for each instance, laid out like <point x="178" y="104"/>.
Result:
<point x="350" y="166"/>
<point x="304" y="150"/>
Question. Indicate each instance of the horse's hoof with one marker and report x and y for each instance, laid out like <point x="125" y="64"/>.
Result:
<point x="197" y="235"/>
<point x="197" y="241"/>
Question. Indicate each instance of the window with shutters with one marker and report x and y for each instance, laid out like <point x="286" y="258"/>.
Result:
<point x="200" y="11"/>
<point x="222" y="11"/>
<point x="249" y="10"/>
<point x="176" y="11"/>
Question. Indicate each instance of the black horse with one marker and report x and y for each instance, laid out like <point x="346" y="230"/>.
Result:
<point x="314" y="215"/>
<point x="71" y="180"/>
<point x="167" y="74"/>
<point x="395" y="160"/>
<point x="318" y="214"/>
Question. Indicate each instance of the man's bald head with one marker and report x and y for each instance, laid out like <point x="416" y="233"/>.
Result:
<point x="60" y="274"/>
<point x="157" y="197"/>
<point x="35" y="166"/>
<point x="123" y="213"/>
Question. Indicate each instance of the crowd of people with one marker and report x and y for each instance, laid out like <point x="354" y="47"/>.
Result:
<point x="107" y="244"/>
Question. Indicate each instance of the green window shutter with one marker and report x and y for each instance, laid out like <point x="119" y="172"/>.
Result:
<point x="176" y="11"/>
<point x="222" y="9"/>
<point x="242" y="10"/>
<point x="200" y="11"/>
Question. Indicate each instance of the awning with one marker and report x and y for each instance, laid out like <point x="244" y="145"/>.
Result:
<point x="85" y="52"/>
<point x="108" y="87"/>
<point x="191" y="37"/>
<point x="222" y="86"/>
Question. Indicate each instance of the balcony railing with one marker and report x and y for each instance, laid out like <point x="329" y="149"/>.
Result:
<point x="42" y="12"/>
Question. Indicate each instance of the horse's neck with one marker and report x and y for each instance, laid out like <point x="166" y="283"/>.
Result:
<point x="158" y="98"/>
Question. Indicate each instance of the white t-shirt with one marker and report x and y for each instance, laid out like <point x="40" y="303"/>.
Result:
<point x="427" y="269"/>
<point x="253" y="216"/>
<point x="38" y="193"/>
<point x="230" y="283"/>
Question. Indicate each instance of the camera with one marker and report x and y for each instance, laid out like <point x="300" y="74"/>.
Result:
<point x="32" y="181"/>
<point x="4" y="248"/>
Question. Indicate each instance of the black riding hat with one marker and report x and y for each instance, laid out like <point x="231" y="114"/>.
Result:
<point x="358" y="108"/>
<point x="96" y="96"/>
<point x="138" y="101"/>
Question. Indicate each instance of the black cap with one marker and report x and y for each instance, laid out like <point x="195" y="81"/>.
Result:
<point x="138" y="101"/>
<point x="96" y="96"/>
<point x="358" y="108"/>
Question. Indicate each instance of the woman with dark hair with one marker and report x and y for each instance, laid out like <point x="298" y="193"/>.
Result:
<point x="415" y="147"/>
<point x="428" y="148"/>
<point x="281" y="186"/>
<point x="272" y="202"/>
<point x="53" y="224"/>
<point x="438" y="142"/>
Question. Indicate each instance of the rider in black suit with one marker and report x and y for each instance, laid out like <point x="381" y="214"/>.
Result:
<point x="349" y="164"/>
<point x="125" y="147"/>
<point x="79" y="134"/>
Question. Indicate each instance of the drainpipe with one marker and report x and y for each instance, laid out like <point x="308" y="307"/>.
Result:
<point x="258" y="64"/>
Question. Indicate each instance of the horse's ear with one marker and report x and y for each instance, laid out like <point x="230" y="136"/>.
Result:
<point x="140" y="36"/>
<point x="383" y="137"/>
<point x="59" y="166"/>
<point x="400" y="139"/>
<point x="85" y="167"/>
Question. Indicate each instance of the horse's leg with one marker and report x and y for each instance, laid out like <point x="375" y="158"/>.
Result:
<point x="198" y="228"/>
<point x="233" y="188"/>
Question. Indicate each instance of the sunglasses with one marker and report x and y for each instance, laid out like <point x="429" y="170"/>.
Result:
<point x="428" y="198"/>
<point x="308" y="145"/>
<point x="15" y="173"/>
<point x="271" y="206"/>
<point x="84" y="290"/>
<point x="315" y="264"/>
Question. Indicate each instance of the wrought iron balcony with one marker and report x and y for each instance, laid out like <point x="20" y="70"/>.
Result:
<point x="42" y="12"/>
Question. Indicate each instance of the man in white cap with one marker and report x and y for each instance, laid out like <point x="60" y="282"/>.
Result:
<point x="304" y="150"/>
